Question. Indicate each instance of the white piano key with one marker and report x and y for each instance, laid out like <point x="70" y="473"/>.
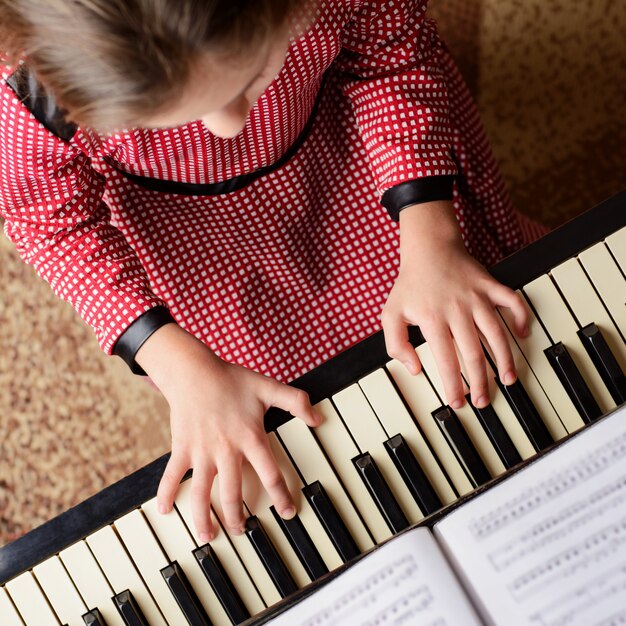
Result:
<point x="531" y="384"/>
<point x="307" y="516"/>
<point x="174" y="537"/>
<point x="91" y="583"/>
<point x="465" y="414"/>
<point x="562" y="327"/>
<point x="61" y="592"/>
<point x="340" y="449"/>
<point x="31" y="602"/>
<point x="505" y="413"/>
<point x="587" y="306"/>
<point x="370" y="437"/>
<point x="532" y="348"/>
<point x="247" y="554"/>
<point x="393" y="415"/>
<point x="617" y="245"/>
<point x="8" y="612"/>
<point x="608" y="280"/>
<point x="422" y="401"/>
<point x="117" y="566"/>
<point x="149" y="560"/>
<point x="313" y="465"/>
<point x="224" y="550"/>
<point x="258" y="502"/>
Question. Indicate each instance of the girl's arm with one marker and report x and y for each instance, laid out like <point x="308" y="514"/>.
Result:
<point x="51" y="200"/>
<point x="392" y="76"/>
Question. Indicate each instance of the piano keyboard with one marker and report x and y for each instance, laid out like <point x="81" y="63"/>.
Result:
<point x="389" y="454"/>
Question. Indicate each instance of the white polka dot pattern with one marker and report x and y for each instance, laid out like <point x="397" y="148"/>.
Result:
<point x="295" y="267"/>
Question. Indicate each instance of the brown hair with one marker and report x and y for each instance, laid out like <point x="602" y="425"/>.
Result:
<point x="110" y="63"/>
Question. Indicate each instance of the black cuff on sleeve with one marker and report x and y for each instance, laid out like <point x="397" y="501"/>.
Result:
<point x="417" y="192"/>
<point x="127" y="346"/>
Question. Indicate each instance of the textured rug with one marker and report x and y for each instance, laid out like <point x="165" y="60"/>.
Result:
<point x="549" y="81"/>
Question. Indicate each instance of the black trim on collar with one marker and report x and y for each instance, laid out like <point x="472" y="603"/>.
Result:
<point x="225" y="186"/>
<point x="417" y="191"/>
<point x="42" y="105"/>
<point x="128" y="344"/>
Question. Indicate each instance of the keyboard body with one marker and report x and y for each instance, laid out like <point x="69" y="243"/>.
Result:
<point x="522" y="270"/>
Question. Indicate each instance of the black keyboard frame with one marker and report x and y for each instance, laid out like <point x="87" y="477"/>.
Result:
<point x="325" y="380"/>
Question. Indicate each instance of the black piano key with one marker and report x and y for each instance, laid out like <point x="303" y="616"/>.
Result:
<point x="497" y="434"/>
<point x="380" y="492"/>
<point x="413" y="475"/>
<point x="605" y="362"/>
<point x="302" y="545"/>
<point x="269" y="557"/>
<point x="331" y="521"/>
<point x="460" y="442"/>
<point x="185" y="596"/>
<point x="575" y="385"/>
<point x="526" y="413"/>
<point x="221" y="584"/>
<point x="94" y="618"/>
<point x="129" y="609"/>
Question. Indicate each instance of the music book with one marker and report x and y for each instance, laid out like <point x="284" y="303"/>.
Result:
<point x="544" y="547"/>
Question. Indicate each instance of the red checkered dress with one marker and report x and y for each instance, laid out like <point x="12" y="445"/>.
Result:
<point x="295" y="266"/>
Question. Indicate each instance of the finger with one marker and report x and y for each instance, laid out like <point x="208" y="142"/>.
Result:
<point x="397" y="343"/>
<point x="296" y="401"/>
<point x="229" y="472"/>
<point x="467" y="339"/>
<point x="492" y="328"/>
<point x="201" y="484"/>
<point x="264" y="464"/>
<point x="503" y="296"/>
<point x="175" y="469"/>
<point x="442" y="347"/>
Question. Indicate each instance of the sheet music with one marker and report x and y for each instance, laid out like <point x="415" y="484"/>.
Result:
<point x="405" y="582"/>
<point x="547" y="547"/>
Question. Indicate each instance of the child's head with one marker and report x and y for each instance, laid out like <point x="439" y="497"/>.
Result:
<point x="123" y="63"/>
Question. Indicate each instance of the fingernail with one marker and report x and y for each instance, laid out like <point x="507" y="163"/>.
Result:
<point x="162" y="509"/>
<point x="410" y="367"/>
<point x="206" y="537"/>
<point x="318" y="419"/>
<point x="525" y="331"/>
<point x="482" y="402"/>
<point x="288" y="513"/>
<point x="236" y="531"/>
<point x="509" y="378"/>
<point x="456" y="404"/>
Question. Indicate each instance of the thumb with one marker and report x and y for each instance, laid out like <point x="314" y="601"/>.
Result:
<point x="397" y="342"/>
<point x="296" y="401"/>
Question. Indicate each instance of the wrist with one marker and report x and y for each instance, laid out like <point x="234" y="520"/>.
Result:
<point x="171" y="352"/>
<point x="426" y="227"/>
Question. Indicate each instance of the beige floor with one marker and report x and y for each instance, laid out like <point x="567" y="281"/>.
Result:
<point x="548" y="78"/>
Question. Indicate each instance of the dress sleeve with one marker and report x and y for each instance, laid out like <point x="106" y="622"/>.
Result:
<point x="51" y="201"/>
<point x="393" y="79"/>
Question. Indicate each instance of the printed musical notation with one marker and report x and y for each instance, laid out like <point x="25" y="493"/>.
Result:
<point x="565" y="610"/>
<point x="567" y="522"/>
<point x="373" y="590"/>
<point x="549" y="544"/>
<point x="405" y="582"/>
<point x="529" y="502"/>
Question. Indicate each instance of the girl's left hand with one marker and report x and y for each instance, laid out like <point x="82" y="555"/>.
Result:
<point x="453" y="299"/>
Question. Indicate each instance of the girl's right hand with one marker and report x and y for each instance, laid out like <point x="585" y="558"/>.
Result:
<point x="216" y="420"/>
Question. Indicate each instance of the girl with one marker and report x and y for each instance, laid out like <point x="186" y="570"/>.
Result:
<point x="230" y="192"/>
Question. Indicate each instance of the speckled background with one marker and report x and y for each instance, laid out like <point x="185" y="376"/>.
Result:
<point x="549" y="79"/>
